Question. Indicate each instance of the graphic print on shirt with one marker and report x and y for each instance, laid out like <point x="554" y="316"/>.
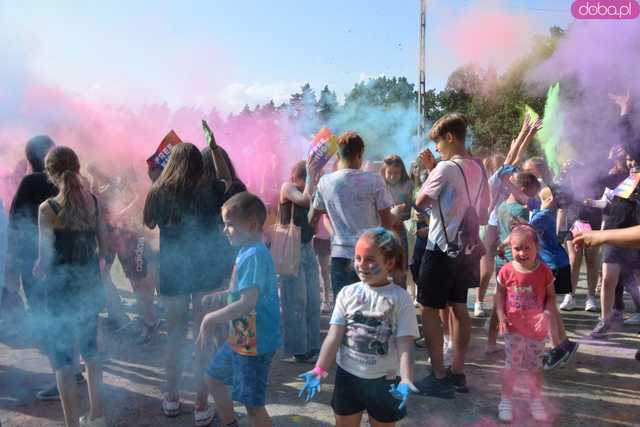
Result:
<point x="522" y="298"/>
<point x="242" y="330"/>
<point x="368" y="332"/>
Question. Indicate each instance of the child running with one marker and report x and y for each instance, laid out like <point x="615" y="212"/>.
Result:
<point x="373" y="327"/>
<point x="253" y="310"/>
<point x="525" y="290"/>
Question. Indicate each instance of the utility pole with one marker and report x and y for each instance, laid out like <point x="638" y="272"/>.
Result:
<point x="422" y="86"/>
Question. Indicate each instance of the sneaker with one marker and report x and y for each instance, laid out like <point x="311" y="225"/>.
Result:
<point x="325" y="308"/>
<point x="591" y="305"/>
<point x="50" y="393"/>
<point x="568" y="303"/>
<point x="432" y="386"/>
<point x="554" y="358"/>
<point x="617" y="316"/>
<point x="478" y="309"/>
<point x="308" y="357"/>
<point x="92" y="422"/>
<point x="601" y="330"/>
<point x="170" y="408"/>
<point x="459" y="381"/>
<point x="571" y="349"/>
<point x="633" y="320"/>
<point x="148" y="332"/>
<point x="80" y="379"/>
<point x="204" y="417"/>
<point x="447" y="352"/>
<point x="505" y="410"/>
<point x="538" y="412"/>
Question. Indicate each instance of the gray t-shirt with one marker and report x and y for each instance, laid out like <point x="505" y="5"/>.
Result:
<point x="445" y="187"/>
<point x="352" y="199"/>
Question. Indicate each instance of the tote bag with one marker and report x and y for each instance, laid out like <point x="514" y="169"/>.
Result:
<point x="285" y="246"/>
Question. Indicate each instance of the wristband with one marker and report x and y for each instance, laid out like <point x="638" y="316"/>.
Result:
<point x="319" y="372"/>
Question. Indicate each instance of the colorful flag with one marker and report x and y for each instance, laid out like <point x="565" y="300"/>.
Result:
<point x="160" y="158"/>
<point x="626" y="187"/>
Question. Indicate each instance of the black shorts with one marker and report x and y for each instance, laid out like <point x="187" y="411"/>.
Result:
<point x="630" y="258"/>
<point x="352" y="395"/>
<point x="562" y="282"/>
<point x="440" y="282"/>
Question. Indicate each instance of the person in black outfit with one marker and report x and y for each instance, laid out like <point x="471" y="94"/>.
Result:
<point x="71" y="231"/>
<point x="22" y="248"/>
<point x="300" y="292"/>
<point x="185" y="205"/>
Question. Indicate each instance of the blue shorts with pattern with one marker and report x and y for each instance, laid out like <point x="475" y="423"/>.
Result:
<point x="247" y="375"/>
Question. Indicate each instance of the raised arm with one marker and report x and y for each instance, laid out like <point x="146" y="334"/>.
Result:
<point x="219" y="162"/>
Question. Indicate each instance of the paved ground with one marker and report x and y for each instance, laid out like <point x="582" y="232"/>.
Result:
<point x="600" y="388"/>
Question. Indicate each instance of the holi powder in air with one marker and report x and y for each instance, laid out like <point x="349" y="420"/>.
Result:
<point x="551" y="134"/>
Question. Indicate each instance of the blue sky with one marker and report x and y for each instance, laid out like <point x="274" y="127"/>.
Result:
<point x="227" y="53"/>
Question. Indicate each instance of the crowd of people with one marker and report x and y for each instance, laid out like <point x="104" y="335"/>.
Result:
<point x="376" y="244"/>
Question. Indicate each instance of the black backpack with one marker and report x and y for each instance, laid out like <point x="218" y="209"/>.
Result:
<point x="466" y="248"/>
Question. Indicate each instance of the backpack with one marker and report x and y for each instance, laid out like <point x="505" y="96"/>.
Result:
<point x="466" y="248"/>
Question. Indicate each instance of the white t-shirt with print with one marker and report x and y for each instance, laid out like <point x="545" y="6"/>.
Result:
<point x="374" y="317"/>
<point x="352" y="199"/>
<point x="445" y="187"/>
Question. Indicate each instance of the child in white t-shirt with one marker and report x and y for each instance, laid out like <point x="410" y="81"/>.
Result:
<point x="373" y="327"/>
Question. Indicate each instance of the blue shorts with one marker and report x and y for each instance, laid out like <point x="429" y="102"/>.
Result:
<point x="247" y="375"/>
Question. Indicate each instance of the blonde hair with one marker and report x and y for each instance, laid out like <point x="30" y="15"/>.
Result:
<point x="63" y="166"/>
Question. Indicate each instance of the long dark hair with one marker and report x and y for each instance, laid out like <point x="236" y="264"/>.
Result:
<point x="174" y="193"/>
<point x="63" y="166"/>
<point x="209" y="168"/>
<point x="394" y="160"/>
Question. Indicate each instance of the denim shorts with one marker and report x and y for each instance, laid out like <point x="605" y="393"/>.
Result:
<point x="247" y="375"/>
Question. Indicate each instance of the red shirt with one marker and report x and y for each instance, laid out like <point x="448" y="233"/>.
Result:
<point x="526" y="293"/>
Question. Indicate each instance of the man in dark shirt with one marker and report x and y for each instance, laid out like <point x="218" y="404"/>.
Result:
<point x="22" y="250"/>
<point x="22" y="246"/>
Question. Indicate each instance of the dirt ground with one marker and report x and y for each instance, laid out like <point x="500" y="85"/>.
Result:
<point x="601" y="387"/>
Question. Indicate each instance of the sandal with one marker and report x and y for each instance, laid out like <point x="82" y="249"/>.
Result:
<point x="170" y="408"/>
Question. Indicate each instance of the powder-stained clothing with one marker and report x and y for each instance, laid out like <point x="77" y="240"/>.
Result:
<point x="194" y="253"/>
<point x="374" y="317"/>
<point x="23" y="215"/>
<point x="526" y="293"/>
<point x="508" y="214"/>
<point x="258" y="332"/>
<point x="352" y="198"/>
<point x="554" y="255"/>
<point x="446" y="189"/>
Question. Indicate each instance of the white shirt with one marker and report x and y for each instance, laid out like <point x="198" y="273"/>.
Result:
<point x="445" y="187"/>
<point x="351" y="198"/>
<point x="374" y="317"/>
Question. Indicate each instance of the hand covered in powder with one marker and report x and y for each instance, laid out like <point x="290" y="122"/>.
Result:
<point x="402" y="392"/>
<point x="312" y="380"/>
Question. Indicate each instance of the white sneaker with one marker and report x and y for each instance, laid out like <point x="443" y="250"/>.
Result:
<point x="95" y="422"/>
<point x="205" y="417"/>
<point x="478" y="309"/>
<point x="538" y="412"/>
<point x="591" y="305"/>
<point x="325" y="308"/>
<point x="568" y="303"/>
<point x="633" y="320"/>
<point x="505" y="410"/>
<point x="447" y="352"/>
